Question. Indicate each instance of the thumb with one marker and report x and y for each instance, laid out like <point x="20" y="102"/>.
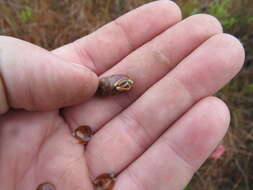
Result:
<point x="37" y="80"/>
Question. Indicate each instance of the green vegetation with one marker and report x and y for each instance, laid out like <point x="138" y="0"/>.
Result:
<point x="26" y="14"/>
<point x="220" y="10"/>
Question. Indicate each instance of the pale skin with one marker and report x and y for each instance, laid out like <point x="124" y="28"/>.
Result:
<point x="154" y="137"/>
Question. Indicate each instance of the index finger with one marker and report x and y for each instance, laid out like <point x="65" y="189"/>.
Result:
<point x="102" y="49"/>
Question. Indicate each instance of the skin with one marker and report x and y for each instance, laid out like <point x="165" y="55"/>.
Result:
<point x="154" y="137"/>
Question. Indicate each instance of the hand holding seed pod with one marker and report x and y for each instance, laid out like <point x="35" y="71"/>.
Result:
<point x="113" y="85"/>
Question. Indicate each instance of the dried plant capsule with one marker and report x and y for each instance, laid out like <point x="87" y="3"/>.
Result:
<point x="104" y="182"/>
<point x="46" y="186"/>
<point x="113" y="85"/>
<point x="83" y="134"/>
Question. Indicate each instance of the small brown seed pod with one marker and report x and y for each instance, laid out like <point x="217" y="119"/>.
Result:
<point x="46" y="186"/>
<point x="83" y="134"/>
<point x="113" y="85"/>
<point x="104" y="182"/>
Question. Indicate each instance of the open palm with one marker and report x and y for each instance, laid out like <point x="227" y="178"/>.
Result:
<point x="154" y="137"/>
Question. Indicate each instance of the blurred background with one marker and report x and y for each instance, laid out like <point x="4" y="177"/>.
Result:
<point x="52" y="23"/>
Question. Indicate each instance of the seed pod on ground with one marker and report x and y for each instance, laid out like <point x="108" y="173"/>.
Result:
<point x="104" y="182"/>
<point x="113" y="85"/>
<point x="83" y="134"/>
<point x="46" y="186"/>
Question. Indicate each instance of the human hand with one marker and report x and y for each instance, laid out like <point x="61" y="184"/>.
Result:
<point x="154" y="137"/>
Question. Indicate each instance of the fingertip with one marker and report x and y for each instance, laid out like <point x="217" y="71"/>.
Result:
<point x="73" y="85"/>
<point x="87" y="82"/>
<point x="219" y="112"/>
<point x="169" y="6"/>
<point x="208" y="23"/>
<point x="232" y="47"/>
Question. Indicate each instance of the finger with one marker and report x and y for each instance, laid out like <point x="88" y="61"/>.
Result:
<point x="171" y="162"/>
<point x="102" y="49"/>
<point x="147" y="65"/>
<point x="35" y="79"/>
<point x="201" y="74"/>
